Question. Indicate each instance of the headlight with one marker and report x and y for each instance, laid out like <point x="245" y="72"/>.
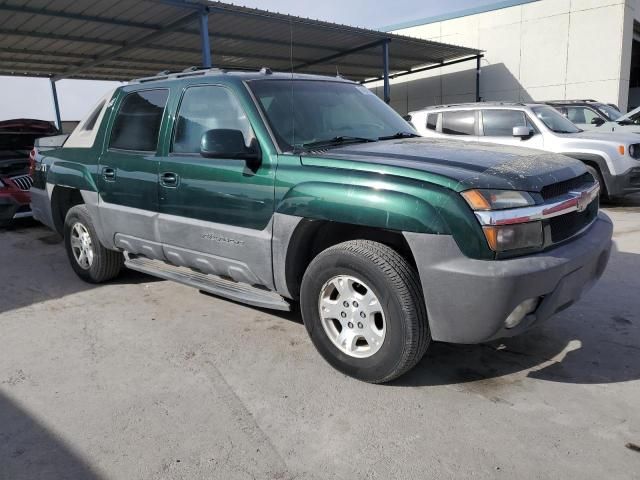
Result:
<point x="497" y="199"/>
<point x="514" y="237"/>
<point x="634" y="151"/>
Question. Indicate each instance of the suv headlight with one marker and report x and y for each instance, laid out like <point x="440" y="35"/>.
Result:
<point x="634" y="151"/>
<point x="515" y="236"/>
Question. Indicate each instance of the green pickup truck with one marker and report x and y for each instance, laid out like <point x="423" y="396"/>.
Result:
<point x="276" y="189"/>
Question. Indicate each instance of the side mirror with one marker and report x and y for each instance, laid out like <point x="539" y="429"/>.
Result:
<point x="227" y="143"/>
<point x="522" y="131"/>
<point x="597" y="121"/>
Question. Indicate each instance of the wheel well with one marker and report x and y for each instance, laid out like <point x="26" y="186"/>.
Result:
<point x="312" y="237"/>
<point x="62" y="200"/>
<point x="596" y="162"/>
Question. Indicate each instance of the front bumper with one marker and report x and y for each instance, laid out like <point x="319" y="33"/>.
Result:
<point x="625" y="183"/>
<point x="13" y="207"/>
<point x="468" y="300"/>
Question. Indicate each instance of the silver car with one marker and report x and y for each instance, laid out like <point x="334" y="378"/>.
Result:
<point x="612" y="158"/>
<point x="600" y="117"/>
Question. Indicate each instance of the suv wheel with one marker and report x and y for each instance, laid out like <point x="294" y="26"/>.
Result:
<point x="604" y="195"/>
<point x="363" y="308"/>
<point x="89" y="259"/>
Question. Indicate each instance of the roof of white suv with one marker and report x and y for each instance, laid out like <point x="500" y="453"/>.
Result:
<point x="481" y="105"/>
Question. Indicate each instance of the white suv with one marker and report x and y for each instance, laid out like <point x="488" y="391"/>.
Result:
<point x="612" y="158"/>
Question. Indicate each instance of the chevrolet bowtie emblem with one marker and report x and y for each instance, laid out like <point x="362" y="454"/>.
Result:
<point x="583" y="201"/>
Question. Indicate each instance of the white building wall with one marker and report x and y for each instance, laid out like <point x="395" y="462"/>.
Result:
<point x="545" y="50"/>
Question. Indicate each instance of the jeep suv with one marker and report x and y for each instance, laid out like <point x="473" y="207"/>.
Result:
<point x="586" y="114"/>
<point x="272" y="189"/>
<point x="612" y="158"/>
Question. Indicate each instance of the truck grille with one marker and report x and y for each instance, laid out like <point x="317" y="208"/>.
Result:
<point x="23" y="182"/>
<point x="562" y="188"/>
<point x="566" y="226"/>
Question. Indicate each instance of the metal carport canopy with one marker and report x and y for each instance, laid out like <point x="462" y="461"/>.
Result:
<point x="125" y="39"/>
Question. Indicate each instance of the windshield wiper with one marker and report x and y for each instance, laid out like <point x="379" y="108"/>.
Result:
<point x="565" y="131"/>
<point x="399" y="135"/>
<point x="339" y="140"/>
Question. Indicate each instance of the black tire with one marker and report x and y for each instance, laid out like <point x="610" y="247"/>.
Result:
<point x="395" y="283"/>
<point x="604" y="195"/>
<point x="106" y="264"/>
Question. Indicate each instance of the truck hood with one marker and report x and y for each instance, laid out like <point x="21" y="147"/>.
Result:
<point x="472" y="165"/>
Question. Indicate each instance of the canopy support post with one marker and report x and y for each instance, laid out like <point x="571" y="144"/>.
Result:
<point x="385" y="68"/>
<point x="478" y="66"/>
<point x="56" y="105"/>
<point x="204" y="39"/>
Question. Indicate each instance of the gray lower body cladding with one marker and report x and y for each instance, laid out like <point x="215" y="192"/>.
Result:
<point x="41" y="206"/>
<point x="469" y="300"/>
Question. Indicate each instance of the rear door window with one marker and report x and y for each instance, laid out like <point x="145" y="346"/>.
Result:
<point x="459" y="123"/>
<point x="137" y="123"/>
<point x="500" y="123"/>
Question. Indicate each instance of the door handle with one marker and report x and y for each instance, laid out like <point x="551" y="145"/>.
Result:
<point x="169" y="179"/>
<point x="109" y="174"/>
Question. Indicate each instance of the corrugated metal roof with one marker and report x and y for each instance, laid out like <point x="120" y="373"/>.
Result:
<point x="124" y="39"/>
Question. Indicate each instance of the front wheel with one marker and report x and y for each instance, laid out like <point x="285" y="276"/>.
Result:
<point x="363" y="308"/>
<point x="595" y="173"/>
<point x="89" y="259"/>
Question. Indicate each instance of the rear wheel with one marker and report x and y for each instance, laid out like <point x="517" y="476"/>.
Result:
<point x="363" y="308"/>
<point x="89" y="259"/>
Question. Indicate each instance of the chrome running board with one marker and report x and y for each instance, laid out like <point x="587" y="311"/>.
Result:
<point x="213" y="284"/>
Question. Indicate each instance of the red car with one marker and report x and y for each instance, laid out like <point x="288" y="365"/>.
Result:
<point x="16" y="141"/>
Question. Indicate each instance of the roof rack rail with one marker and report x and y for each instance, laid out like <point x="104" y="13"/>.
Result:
<point x="478" y="104"/>
<point x="193" y="71"/>
<point x="585" y="100"/>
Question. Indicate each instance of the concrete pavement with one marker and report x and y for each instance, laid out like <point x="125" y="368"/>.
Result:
<point x="146" y="379"/>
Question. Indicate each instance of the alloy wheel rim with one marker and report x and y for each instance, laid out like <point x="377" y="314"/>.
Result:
<point x="81" y="246"/>
<point x="352" y="316"/>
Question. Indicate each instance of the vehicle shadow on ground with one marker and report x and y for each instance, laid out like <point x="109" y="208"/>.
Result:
<point x="622" y="204"/>
<point x="29" y="450"/>
<point x="34" y="268"/>
<point x="595" y="341"/>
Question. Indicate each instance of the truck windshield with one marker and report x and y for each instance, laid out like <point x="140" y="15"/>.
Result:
<point x="305" y="114"/>
<point x="554" y="120"/>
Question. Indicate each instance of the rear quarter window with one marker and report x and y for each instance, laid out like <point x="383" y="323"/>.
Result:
<point x="459" y="123"/>
<point x="432" y="121"/>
